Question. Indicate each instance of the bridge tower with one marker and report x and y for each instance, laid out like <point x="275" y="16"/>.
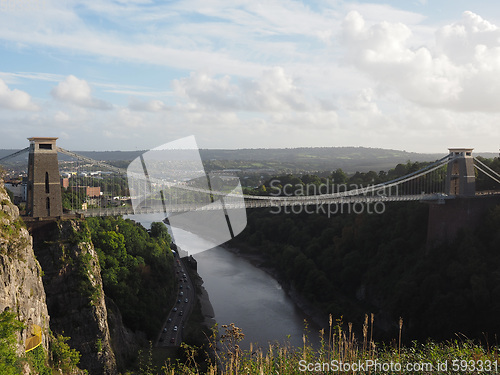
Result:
<point x="44" y="186"/>
<point x="460" y="176"/>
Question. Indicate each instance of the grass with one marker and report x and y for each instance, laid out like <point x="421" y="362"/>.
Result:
<point x="340" y="352"/>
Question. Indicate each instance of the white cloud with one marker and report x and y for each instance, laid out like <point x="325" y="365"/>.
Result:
<point x="203" y="91"/>
<point x="431" y="78"/>
<point x="273" y="91"/>
<point x="459" y="40"/>
<point x="125" y="118"/>
<point x="77" y="91"/>
<point x="15" y="99"/>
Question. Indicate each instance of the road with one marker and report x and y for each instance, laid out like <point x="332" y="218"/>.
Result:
<point x="172" y="330"/>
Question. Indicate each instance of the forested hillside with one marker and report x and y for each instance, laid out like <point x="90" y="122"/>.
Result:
<point x="350" y="264"/>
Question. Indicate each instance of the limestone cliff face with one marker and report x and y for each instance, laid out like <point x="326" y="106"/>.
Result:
<point x="75" y="297"/>
<point x="21" y="287"/>
<point x="124" y="342"/>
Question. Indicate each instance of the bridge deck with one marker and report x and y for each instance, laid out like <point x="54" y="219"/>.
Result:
<point x="252" y="203"/>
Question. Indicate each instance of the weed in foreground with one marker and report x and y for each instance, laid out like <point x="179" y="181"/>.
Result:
<point x="341" y="353"/>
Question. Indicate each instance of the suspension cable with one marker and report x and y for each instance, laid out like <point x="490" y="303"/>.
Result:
<point x="484" y="165"/>
<point x="487" y="174"/>
<point x="15" y="154"/>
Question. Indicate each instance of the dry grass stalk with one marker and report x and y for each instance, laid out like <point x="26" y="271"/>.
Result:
<point x="400" y="329"/>
<point x="365" y="333"/>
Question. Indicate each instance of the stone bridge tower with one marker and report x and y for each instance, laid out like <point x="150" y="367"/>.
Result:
<point x="460" y="177"/>
<point x="44" y="186"/>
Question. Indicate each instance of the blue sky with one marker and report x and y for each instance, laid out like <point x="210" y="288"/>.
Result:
<point x="124" y="75"/>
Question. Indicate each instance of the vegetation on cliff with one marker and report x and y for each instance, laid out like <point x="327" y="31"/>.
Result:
<point x="61" y="358"/>
<point x="136" y="269"/>
<point x="9" y="363"/>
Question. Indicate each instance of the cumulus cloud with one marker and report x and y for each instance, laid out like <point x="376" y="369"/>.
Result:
<point x="460" y="40"/>
<point x="15" y="99"/>
<point x="461" y="73"/>
<point x="273" y="91"/>
<point x="78" y="92"/>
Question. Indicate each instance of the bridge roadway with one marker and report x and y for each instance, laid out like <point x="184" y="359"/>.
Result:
<point x="262" y="203"/>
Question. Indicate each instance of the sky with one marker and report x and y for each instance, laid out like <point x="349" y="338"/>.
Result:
<point x="415" y="75"/>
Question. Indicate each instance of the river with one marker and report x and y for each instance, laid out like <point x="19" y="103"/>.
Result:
<point x="247" y="296"/>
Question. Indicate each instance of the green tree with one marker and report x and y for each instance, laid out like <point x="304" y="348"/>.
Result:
<point x="159" y="230"/>
<point x="63" y="356"/>
<point x="339" y="177"/>
<point x="9" y="362"/>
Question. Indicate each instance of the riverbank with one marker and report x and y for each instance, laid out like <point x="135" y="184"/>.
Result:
<point x="207" y="310"/>
<point x="314" y="315"/>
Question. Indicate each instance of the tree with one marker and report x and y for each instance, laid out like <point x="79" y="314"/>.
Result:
<point x="339" y="177"/>
<point x="159" y="230"/>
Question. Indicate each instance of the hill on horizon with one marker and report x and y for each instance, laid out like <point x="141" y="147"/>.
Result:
<point x="350" y="159"/>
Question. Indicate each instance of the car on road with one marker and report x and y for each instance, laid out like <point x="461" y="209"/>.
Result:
<point x="181" y="293"/>
<point x="180" y="286"/>
<point x="175" y="309"/>
<point x="169" y="320"/>
<point x="186" y="300"/>
<point x="165" y="329"/>
<point x="175" y="328"/>
<point x="172" y="340"/>
<point x="180" y="313"/>
<point x="178" y="301"/>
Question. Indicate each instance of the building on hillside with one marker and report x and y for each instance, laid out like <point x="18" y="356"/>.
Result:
<point x="65" y="182"/>
<point x="88" y="191"/>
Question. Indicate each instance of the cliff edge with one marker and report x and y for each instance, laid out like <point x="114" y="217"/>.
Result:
<point x="21" y="287"/>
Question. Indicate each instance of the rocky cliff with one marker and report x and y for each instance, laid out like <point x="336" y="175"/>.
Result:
<point x="51" y="274"/>
<point x="75" y="297"/>
<point x="21" y="287"/>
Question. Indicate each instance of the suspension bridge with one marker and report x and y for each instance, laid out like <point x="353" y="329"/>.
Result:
<point x="97" y="188"/>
